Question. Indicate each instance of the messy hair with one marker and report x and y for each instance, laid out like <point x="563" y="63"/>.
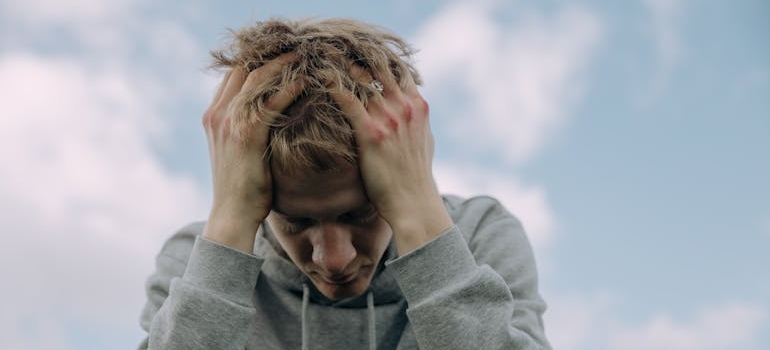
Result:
<point x="312" y="133"/>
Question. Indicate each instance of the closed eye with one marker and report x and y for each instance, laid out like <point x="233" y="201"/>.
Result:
<point x="296" y="224"/>
<point x="361" y="217"/>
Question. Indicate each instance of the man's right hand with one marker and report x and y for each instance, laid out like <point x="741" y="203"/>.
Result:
<point x="237" y="139"/>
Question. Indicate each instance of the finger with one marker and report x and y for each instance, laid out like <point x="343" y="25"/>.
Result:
<point x="363" y="77"/>
<point x="282" y="99"/>
<point x="269" y="70"/>
<point x="409" y="84"/>
<point x="234" y="83"/>
<point x="389" y="81"/>
<point x="278" y="102"/>
<point x="275" y="102"/>
<point x="360" y="74"/>
<point x="352" y="108"/>
<point x="209" y="115"/>
<point x="221" y="87"/>
<point x="387" y="78"/>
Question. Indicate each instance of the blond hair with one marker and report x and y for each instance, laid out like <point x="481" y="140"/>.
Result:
<point x="313" y="134"/>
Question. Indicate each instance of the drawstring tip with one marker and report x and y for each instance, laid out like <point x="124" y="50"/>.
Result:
<point x="372" y="323"/>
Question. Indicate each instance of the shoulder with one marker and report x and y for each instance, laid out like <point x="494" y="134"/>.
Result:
<point x="178" y="247"/>
<point x="483" y="219"/>
<point x="477" y="210"/>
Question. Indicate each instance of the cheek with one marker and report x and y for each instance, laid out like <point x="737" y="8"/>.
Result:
<point x="299" y="249"/>
<point x="296" y="246"/>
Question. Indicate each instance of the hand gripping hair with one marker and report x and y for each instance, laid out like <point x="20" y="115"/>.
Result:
<point x="313" y="134"/>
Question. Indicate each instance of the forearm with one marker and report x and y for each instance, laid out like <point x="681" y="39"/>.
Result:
<point x="211" y="306"/>
<point x="232" y="228"/>
<point x="456" y="304"/>
<point x="417" y="220"/>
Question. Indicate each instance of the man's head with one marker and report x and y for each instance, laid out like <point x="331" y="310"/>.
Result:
<point x="321" y="216"/>
<point x="312" y="134"/>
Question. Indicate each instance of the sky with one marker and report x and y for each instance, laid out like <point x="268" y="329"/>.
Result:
<point x="632" y="138"/>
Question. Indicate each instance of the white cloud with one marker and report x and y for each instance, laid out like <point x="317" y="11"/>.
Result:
<point x="730" y="326"/>
<point x="517" y="81"/>
<point x="80" y="146"/>
<point x="593" y="321"/>
<point x="665" y="15"/>
<point x="528" y="203"/>
<point x="53" y="11"/>
<point x="88" y="201"/>
<point x="665" y="19"/>
<point x="27" y="334"/>
<point x="576" y="321"/>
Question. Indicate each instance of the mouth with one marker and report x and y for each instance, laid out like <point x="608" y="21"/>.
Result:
<point x="340" y="279"/>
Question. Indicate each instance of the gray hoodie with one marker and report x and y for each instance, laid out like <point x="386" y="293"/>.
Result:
<point x="473" y="287"/>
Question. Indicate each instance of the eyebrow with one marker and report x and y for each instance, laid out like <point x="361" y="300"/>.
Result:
<point x="358" y="210"/>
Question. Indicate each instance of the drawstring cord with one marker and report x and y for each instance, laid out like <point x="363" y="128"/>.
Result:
<point x="372" y="331"/>
<point x="371" y="319"/>
<point x="305" y="335"/>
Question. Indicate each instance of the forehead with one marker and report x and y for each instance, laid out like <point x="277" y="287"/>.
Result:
<point x="318" y="194"/>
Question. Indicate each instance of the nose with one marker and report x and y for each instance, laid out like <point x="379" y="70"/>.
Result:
<point x="333" y="249"/>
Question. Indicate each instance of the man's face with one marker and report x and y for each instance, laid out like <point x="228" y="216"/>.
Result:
<point x="329" y="229"/>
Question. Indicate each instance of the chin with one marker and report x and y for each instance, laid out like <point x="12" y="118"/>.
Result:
<point x="347" y="291"/>
<point x="342" y="293"/>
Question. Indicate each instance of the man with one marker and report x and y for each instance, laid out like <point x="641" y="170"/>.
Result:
<point x="326" y="229"/>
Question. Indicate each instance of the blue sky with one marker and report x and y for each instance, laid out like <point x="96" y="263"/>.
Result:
<point x="632" y="139"/>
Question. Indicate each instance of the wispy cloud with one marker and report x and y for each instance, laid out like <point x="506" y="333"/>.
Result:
<point x="502" y="90"/>
<point x="592" y="322"/>
<point x="54" y="12"/>
<point x="665" y="18"/>
<point x="578" y="321"/>
<point x="88" y="200"/>
<point x="517" y="81"/>
<point x="528" y="203"/>
<point x="729" y="326"/>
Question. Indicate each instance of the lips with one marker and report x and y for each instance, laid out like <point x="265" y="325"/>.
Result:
<point x="339" y="279"/>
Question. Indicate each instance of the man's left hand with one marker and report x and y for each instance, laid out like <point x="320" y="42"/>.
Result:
<point x="395" y="157"/>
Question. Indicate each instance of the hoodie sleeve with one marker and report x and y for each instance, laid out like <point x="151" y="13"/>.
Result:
<point x="475" y="286"/>
<point x="200" y="296"/>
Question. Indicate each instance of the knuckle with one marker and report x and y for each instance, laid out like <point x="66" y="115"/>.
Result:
<point x="422" y="103"/>
<point x="419" y="107"/>
<point x="208" y="118"/>
<point x="214" y="119"/>
<point x="374" y="133"/>
<point x="408" y="112"/>
<point x="393" y="123"/>
<point x="392" y="119"/>
<point x="254" y="76"/>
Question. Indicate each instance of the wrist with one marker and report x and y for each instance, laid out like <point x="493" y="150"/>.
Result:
<point x="418" y="223"/>
<point x="235" y="231"/>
